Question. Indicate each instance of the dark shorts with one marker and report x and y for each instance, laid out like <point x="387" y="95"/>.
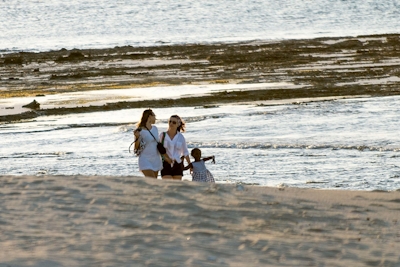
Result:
<point x="176" y="170"/>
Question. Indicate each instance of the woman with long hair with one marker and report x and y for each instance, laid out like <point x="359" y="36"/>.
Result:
<point x="176" y="147"/>
<point x="146" y="139"/>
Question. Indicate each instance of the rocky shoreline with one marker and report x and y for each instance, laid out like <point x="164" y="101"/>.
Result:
<point x="323" y="67"/>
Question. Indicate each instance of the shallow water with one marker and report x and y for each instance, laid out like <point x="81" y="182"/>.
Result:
<point x="347" y="144"/>
<point x="34" y="25"/>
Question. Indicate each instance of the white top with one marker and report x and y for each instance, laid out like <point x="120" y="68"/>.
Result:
<point x="176" y="148"/>
<point x="199" y="166"/>
<point x="150" y="159"/>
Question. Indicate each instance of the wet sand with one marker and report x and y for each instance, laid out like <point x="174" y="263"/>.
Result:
<point x="135" y="221"/>
<point x="319" y="68"/>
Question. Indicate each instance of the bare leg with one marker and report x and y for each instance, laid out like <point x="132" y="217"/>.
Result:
<point x="150" y="173"/>
<point x="177" y="177"/>
<point x="167" y="177"/>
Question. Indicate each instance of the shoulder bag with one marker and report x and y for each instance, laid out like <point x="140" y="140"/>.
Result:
<point x="160" y="146"/>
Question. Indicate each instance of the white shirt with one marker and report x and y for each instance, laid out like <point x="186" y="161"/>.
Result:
<point x="176" y="148"/>
<point x="149" y="158"/>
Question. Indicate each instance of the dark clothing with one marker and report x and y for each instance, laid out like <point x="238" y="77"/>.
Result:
<point x="176" y="170"/>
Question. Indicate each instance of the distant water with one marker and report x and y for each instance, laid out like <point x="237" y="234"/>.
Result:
<point x="344" y="144"/>
<point x="38" y="25"/>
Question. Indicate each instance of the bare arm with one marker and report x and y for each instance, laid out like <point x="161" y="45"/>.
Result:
<point x="136" y="134"/>
<point x="208" y="158"/>
<point x="187" y="159"/>
<point x="167" y="158"/>
<point x="189" y="166"/>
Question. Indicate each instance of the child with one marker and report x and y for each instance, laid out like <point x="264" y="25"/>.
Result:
<point x="200" y="172"/>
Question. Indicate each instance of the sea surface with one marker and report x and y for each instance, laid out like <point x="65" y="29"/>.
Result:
<point x="40" y="25"/>
<point x="344" y="144"/>
<point x="337" y="144"/>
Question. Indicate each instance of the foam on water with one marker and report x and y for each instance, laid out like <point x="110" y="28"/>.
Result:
<point x="348" y="144"/>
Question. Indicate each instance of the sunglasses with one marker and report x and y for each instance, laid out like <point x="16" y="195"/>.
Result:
<point x="173" y="122"/>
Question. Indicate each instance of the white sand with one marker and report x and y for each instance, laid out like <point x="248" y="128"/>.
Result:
<point x="131" y="221"/>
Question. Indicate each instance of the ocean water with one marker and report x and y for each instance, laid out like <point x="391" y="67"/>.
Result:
<point x="338" y="144"/>
<point x="345" y="144"/>
<point x="39" y="25"/>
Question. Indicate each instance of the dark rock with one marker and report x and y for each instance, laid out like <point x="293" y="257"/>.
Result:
<point x="33" y="105"/>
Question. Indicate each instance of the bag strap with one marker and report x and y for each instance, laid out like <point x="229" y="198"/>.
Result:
<point x="164" y="133"/>
<point x="129" y="149"/>
<point x="151" y="133"/>
<point x="162" y="142"/>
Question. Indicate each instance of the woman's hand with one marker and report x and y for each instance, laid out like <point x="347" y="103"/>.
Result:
<point x="188" y="161"/>
<point x="168" y="159"/>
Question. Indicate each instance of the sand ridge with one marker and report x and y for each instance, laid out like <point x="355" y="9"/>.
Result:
<point x="135" y="221"/>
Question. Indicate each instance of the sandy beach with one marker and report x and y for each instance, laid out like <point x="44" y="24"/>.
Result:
<point x="320" y="68"/>
<point x="134" y="221"/>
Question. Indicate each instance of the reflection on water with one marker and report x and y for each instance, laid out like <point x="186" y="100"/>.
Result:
<point x="52" y="25"/>
<point x="348" y="144"/>
<point x="101" y="97"/>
